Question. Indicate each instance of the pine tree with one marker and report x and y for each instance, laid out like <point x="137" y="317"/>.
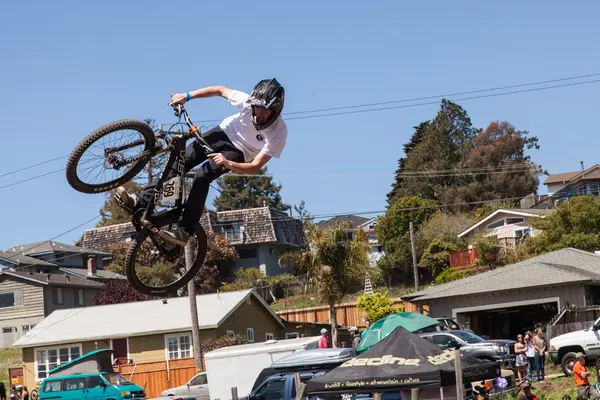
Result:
<point x="252" y="191"/>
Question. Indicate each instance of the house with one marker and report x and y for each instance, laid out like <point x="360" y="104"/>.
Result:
<point x="357" y="222"/>
<point x="564" y="185"/>
<point x="26" y="298"/>
<point x="154" y="331"/>
<point x="260" y="235"/>
<point x="508" y="225"/>
<point x="60" y="254"/>
<point x="508" y="300"/>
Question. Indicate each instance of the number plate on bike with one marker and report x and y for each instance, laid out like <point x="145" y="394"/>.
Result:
<point x="170" y="190"/>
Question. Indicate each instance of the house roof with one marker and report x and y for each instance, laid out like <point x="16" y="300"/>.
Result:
<point x="555" y="268"/>
<point x="100" y="273"/>
<point x="136" y="319"/>
<point x="52" y="279"/>
<point x="261" y="225"/>
<point x="49" y="246"/>
<point x="566" y="177"/>
<point x="355" y="220"/>
<point x="20" y="260"/>
<point x="528" y="212"/>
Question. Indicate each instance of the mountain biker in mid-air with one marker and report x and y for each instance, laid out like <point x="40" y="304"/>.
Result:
<point x="243" y="143"/>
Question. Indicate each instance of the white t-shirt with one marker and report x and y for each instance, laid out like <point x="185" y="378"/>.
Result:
<point x="244" y="136"/>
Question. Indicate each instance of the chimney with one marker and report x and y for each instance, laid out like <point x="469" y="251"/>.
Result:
<point x="581" y="162"/>
<point x="92" y="266"/>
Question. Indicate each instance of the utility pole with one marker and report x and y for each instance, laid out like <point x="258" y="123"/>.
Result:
<point x="414" y="255"/>
<point x="189" y="259"/>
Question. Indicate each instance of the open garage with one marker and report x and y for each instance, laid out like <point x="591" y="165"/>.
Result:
<point x="512" y="299"/>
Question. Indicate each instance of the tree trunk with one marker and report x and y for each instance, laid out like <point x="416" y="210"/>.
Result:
<point x="333" y="324"/>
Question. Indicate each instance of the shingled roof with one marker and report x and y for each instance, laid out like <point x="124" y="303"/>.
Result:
<point x="52" y="279"/>
<point x="50" y="246"/>
<point x="261" y="225"/>
<point x="559" y="267"/>
<point x="15" y="260"/>
<point x="355" y="220"/>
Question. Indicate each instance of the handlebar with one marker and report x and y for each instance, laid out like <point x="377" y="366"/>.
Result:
<point x="194" y="131"/>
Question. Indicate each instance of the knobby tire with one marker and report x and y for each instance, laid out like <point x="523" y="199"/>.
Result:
<point x="136" y="167"/>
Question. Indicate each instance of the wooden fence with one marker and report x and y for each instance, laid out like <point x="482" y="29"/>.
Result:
<point x="560" y="329"/>
<point x="155" y="377"/>
<point x="348" y="314"/>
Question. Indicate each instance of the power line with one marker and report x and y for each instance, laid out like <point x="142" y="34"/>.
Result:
<point x="436" y="97"/>
<point x="31" y="179"/>
<point x="33" y="166"/>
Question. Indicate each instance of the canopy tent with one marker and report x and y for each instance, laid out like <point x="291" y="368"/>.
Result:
<point x="401" y="361"/>
<point x="411" y="321"/>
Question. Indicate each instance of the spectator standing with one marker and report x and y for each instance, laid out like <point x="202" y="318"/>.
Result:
<point x="356" y="337"/>
<point x="539" y="341"/>
<point x="530" y="353"/>
<point x="521" y="358"/>
<point x="323" y="342"/>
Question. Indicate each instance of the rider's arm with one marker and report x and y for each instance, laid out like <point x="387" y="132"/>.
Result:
<point x="250" y="168"/>
<point x="211" y="91"/>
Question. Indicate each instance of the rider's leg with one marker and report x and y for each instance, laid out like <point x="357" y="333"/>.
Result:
<point x="194" y="156"/>
<point x="196" y="200"/>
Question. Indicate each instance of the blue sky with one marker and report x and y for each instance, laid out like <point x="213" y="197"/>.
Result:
<point x="70" y="66"/>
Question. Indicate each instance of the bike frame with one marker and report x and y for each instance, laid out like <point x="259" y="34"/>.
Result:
<point x="176" y="146"/>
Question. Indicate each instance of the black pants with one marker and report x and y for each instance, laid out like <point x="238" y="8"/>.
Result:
<point x="208" y="172"/>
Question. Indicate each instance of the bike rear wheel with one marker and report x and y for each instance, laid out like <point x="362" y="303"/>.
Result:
<point x="113" y="157"/>
<point x="151" y="262"/>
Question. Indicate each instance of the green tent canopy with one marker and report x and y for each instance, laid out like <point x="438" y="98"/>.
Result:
<point x="412" y="322"/>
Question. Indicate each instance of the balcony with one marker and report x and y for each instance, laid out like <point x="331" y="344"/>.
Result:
<point x="463" y="259"/>
<point x="234" y="237"/>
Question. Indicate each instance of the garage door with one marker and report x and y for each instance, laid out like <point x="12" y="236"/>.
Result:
<point x="507" y="322"/>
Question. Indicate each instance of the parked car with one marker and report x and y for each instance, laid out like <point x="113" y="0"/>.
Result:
<point x="196" y="388"/>
<point x="562" y="348"/>
<point x="185" y="397"/>
<point x="500" y="350"/>
<point x="96" y="385"/>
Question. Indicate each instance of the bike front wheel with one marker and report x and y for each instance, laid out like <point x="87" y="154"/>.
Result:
<point x="110" y="156"/>
<point x="158" y="268"/>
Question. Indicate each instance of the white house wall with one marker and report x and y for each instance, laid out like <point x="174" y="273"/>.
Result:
<point x="506" y="231"/>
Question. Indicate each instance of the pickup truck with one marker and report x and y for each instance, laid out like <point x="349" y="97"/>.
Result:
<point x="562" y="348"/>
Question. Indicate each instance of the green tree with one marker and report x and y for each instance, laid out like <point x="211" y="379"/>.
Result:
<point x="449" y="275"/>
<point x="575" y="223"/>
<point x="498" y="166"/>
<point x="111" y="213"/>
<point x="437" y="145"/>
<point x="377" y="306"/>
<point x="393" y="234"/>
<point x="437" y="256"/>
<point x="488" y="208"/>
<point x="488" y="250"/>
<point x="445" y="227"/>
<point x="252" y="191"/>
<point x="333" y="264"/>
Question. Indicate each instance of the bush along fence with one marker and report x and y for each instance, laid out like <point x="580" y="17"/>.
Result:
<point x="348" y="314"/>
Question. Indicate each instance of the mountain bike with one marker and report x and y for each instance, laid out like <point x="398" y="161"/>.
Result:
<point x="144" y="271"/>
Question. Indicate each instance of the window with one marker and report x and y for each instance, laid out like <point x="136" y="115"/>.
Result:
<point x="74" y="384"/>
<point x="496" y="224"/>
<point x="510" y="221"/>
<point x="247" y="253"/>
<point x="198" y="380"/>
<point x="250" y="335"/>
<point x="522" y="233"/>
<point x="58" y="296"/>
<point x="52" y="386"/>
<point x="27" y="328"/>
<point x="441" y="340"/>
<point x="269" y="336"/>
<point x="293" y="335"/>
<point x="48" y="359"/>
<point x="94" y="381"/>
<point x="7" y="300"/>
<point x="79" y="297"/>
<point x="179" y="346"/>
<point x="271" y="390"/>
<point x="9" y="330"/>
<point x="230" y="333"/>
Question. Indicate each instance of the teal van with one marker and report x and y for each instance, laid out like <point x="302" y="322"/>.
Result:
<point x="90" y="386"/>
<point x="89" y="377"/>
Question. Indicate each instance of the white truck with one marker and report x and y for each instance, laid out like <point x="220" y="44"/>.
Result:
<point x="562" y="348"/>
<point x="239" y="366"/>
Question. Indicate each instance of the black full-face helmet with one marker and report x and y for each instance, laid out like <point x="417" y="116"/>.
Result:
<point x="270" y="95"/>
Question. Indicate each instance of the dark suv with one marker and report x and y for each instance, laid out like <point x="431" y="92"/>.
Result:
<point x="500" y="350"/>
